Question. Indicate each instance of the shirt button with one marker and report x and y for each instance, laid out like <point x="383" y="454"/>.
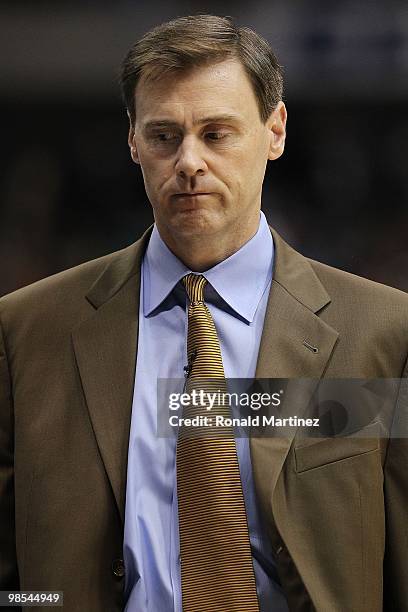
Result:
<point x="118" y="568"/>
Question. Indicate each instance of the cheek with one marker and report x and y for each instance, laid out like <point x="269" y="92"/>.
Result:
<point x="257" y="162"/>
<point x="155" y="173"/>
<point x="247" y="170"/>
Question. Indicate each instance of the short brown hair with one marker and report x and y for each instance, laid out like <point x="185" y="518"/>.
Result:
<point x="196" y="40"/>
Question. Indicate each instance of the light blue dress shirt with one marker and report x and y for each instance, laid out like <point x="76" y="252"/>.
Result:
<point x="236" y="294"/>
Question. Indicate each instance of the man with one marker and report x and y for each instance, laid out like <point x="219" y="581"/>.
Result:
<point x="93" y="502"/>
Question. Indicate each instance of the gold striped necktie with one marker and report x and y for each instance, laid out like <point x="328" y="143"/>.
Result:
<point x="216" y="564"/>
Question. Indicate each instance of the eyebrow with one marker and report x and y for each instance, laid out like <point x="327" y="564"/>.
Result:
<point x="225" y="118"/>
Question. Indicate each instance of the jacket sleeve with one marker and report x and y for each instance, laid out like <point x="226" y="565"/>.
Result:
<point x="396" y="506"/>
<point x="9" y="579"/>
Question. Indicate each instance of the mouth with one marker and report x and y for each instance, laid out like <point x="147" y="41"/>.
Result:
<point x="191" y="194"/>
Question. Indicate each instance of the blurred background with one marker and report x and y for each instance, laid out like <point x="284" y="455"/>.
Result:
<point x="69" y="192"/>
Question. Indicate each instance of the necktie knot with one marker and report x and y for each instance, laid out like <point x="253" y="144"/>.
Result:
<point x="194" y="284"/>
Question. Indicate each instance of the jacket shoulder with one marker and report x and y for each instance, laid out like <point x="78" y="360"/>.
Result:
<point x="365" y="302"/>
<point x="341" y="283"/>
<point x="64" y="290"/>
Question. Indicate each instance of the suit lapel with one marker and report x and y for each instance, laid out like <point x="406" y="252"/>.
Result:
<point x="291" y="330"/>
<point x="105" y="347"/>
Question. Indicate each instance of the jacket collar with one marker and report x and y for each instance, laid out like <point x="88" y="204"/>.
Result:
<point x="292" y="271"/>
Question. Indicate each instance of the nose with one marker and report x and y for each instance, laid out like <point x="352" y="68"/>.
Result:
<point x="190" y="161"/>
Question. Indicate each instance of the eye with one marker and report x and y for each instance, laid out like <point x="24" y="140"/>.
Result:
<point x="163" y="138"/>
<point x="166" y="137"/>
<point x="219" y="135"/>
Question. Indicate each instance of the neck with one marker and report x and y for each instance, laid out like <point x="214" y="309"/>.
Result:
<point x="200" y="253"/>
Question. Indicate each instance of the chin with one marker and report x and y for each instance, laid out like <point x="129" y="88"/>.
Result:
<point x="195" y="222"/>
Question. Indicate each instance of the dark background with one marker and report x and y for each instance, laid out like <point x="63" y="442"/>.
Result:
<point x="69" y="192"/>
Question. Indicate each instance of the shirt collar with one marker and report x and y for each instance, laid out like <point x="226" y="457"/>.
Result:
<point x="240" y="280"/>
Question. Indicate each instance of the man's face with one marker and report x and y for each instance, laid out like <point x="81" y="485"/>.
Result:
<point x="203" y="150"/>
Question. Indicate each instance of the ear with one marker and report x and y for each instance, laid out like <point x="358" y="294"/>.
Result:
<point x="277" y="131"/>
<point x="132" y="142"/>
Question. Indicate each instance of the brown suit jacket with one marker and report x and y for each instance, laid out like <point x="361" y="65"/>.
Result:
<point x="337" y="514"/>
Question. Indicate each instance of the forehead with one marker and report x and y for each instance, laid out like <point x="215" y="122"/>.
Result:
<point x="223" y="87"/>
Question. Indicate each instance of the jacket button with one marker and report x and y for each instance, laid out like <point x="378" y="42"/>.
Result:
<point x="279" y="550"/>
<point x="118" y="568"/>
